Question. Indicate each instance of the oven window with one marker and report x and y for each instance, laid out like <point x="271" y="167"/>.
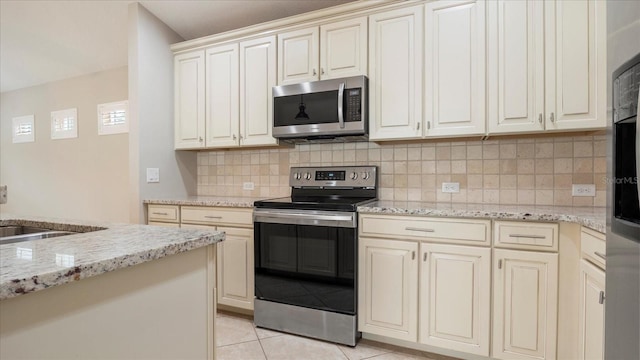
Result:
<point x="626" y="204"/>
<point x="310" y="266"/>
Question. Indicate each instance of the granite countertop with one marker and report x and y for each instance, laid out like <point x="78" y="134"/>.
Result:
<point x="242" y="202"/>
<point x="590" y="217"/>
<point x="99" y="248"/>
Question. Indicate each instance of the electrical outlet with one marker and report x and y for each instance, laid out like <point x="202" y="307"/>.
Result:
<point x="153" y="175"/>
<point x="248" y="186"/>
<point x="583" y="190"/>
<point x="450" y="187"/>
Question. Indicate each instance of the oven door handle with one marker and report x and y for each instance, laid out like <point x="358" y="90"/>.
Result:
<point x="340" y="219"/>
<point x="340" y="105"/>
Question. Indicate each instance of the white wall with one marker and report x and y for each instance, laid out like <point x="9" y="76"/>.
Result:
<point x="81" y="178"/>
<point x="151" y="105"/>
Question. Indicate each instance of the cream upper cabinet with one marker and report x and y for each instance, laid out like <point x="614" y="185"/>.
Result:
<point x="329" y="51"/>
<point x="454" y="68"/>
<point x="540" y="80"/>
<point x="455" y="297"/>
<point x="395" y="73"/>
<point x="343" y="48"/>
<point x="525" y="304"/>
<point x="222" y="115"/>
<point x="387" y="288"/>
<point x="516" y="66"/>
<point x="575" y="45"/>
<point x="257" y="77"/>
<point x="235" y="268"/>
<point x="189" y="100"/>
<point x="298" y="56"/>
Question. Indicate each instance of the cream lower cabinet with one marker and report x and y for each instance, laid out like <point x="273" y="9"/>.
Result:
<point x="525" y="304"/>
<point x="388" y="288"/>
<point x="235" y="268"/>
<point x="235" y="277"/>
<point x="592" y="286"/>
<point x="455" y="297"/>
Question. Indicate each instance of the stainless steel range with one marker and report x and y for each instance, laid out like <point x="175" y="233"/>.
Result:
<point x="306" y="253"/>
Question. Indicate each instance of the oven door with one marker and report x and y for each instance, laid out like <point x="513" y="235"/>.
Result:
<point x="306" y="258"/>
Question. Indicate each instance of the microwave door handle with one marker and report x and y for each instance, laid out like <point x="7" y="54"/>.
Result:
<point x="638" y="144"/>
<point x="340" y="104"/>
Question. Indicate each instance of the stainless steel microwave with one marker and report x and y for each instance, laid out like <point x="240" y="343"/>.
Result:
<point x="333" y="109"/>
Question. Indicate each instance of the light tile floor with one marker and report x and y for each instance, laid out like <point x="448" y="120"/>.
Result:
<point x="237" y="338"/>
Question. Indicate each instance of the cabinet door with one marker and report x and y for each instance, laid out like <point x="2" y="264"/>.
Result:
<point x="222" y="117"/>
<point x="387" y="288"/>
<point x="455" y="283"/>
<point x="189" y="100"/>
<point x="257" y="77"/>
<point x="575" y="45"/>
<point x="235" y="268"/>
<point x="298" y="56"/>
<point x="343" y="49"/>
<point x="516" y="66"/>
<point x="395" y="74"/>
<point x="525" y="304"/>
<point x="592" y="285"/>
<point x="455" y="68"/>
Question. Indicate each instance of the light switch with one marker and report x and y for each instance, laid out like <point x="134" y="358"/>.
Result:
<point x="153" y="175"/>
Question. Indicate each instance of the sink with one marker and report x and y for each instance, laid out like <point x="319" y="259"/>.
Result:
<point x="14" y="234"/>
<point x="19" y="230"/>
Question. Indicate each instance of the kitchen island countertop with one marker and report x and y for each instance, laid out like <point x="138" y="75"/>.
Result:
<point x="98" y="248"/>
<point x="590" y="217"/>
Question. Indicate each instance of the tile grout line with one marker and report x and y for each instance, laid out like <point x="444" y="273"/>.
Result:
<point x="264" y="353"/>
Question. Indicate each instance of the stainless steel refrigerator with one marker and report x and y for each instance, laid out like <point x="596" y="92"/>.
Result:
<point x="622" y="304"/>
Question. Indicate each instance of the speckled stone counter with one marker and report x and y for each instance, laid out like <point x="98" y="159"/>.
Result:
<point x="590" y="217"/>
<point x="98" y="248"/>
<point x="242" y="202"/>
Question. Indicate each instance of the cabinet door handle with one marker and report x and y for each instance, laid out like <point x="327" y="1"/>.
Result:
<point x="419" y="229"/>
<point x="159" y="213"/>
<point x="418" y="126"/>
<point x="234" y="136"/>
<point x="424" y="257"/>
<point x="428" y="125"/>
<point x="600" y="255"/>
<point x="527" y="236"/>
<point x="212" y="217"/>
<point x="413" y="255"/>
<point x="241" y="137"/>
<point x="552" y="118"/>
<point x="322" y="71"/>
<point x="314" y="72"/>
<point x="200" y="139"/>
<point x="601" y="298"/>
<point x="500" y="264"/>
<point x="540" y="118"/>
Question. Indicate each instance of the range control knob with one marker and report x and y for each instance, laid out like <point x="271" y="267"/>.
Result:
<point x="297" y="176"/>
<point x="365" y="175"/>
<point x="307" y="176"/>
<point x="354" y="175"/>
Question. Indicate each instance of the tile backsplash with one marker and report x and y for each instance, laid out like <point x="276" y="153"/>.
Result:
<point x="524" y="171"/>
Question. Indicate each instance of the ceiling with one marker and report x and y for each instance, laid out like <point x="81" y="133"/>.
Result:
<point x="44" y="41"/>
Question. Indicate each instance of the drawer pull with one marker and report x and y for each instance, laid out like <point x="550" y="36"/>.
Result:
<point x="601" y="298"/>
<point x="213" y="217"/>
<point x="527" y="236"/>
<point x="160" y="213"/>
<point x="600" y="255"/>
<point x="419" y="229"/>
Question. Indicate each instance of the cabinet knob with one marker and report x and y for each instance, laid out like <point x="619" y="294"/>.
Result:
<point x="413" y="255"/>
<point x="540" y="118"/>
<point x="200" y="139"/>
<point x="552" y="118"/>
<point x="234" y="136"/>
<point x="322" y="71"/>
<point x="314" y="72"/>
<point x="500" y="264"/>
<point x="424" y="257"/>
<point x="601" y="298"/>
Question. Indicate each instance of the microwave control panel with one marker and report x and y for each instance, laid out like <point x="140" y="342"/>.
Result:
<point x="354" y="104"/>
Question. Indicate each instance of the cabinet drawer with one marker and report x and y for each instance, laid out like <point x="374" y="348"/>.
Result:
<point x="217" y="216"/>
<point x="526" y="235"/>
<point x="593" y="247"/>
<point x="165" y="224"/>
<point x="163" y="213"/>
<point x="460" y="231"/>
